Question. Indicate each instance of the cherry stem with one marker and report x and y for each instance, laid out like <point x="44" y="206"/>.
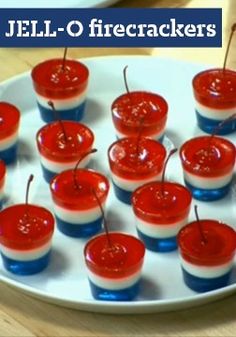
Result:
<point x="104" y="219"/>
<point x="125" y="79"/>
<point x="220" y="126"/>
<point x="57" y="117"/>
<point x="164" y="171"/>
<point x="85" y="154"/>
<point x="64" y="59"/>
<point x="203" y="238"/>
<point x="31" y="177"/>
<point x="233" y="29"/>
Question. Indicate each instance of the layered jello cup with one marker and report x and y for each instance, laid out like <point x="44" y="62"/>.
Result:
<point x="208" y="165"/>
<point x="60" y="149"/>
<point x="129" y="109"/>
<point x="215" y="97"/>
<point x="25" y="238"/>
<point x="114" y="270"/>
<point x="9" y="127"/>
<point x="64" y="82"/>
<point x="161" y="209"/>
<point x="207" y="261"/>
<point x="134" y="162"/>
<point x="75" y="205"/>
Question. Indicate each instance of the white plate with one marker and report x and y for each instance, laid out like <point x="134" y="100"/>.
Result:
<point x="64" y="282"/>
<point x="56" y="3"/>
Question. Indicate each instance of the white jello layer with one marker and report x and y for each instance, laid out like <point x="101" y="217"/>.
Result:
<point x="131" y="185"/>
<point x="58" y="167"/>
<point x="206" y="182"/>
<point x="26" y="255"/>
<point x="216" y="114"/>
<point x="113" y="284"/>
<point x="154" y="136"/>
<point x="62" y="104"/>
<point x="206" y="271"/>
<point x="77" y="217"/>
<point x="7" y="142"/>
<point x="160" y="231"/>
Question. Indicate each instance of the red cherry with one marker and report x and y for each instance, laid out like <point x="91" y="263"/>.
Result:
<point x="128" y="109"/>
<point x="219" y="247"/>
<point x="126" y="162"/>
<point x="57" y="79"/>
<point x="151" y="205"/>
<point x="208" y="156"/>
<point x="25" y="226"/>
<point x="67" y="195"/>
<point x="122" y="260"/>
<point x="52" y="144"/>
<point x="9" y="119"/>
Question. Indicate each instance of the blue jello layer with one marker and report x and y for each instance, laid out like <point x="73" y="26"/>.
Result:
<point x="9" y="155"/>
<point x="80" y="230"/>
<point x="158" y="245"/>
<point x="48" y="175"/>
<point x="127" y="294"/>
<point x="208" y="194"/>
<point x="26" y="267"/>
<point x="201" y="285"/>
<point x="75" y="114"/>
<point x="209" y="125"/>
<point x="122" y="195"/>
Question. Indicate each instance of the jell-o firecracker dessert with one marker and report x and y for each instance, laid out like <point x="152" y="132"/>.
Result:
<point x="215" y="96"/>
<point x="208" y="165"/>
<point x="75" y="207"/>
<point x="114" y="264"/>
<point x="134" y="161"/>
<point x="132" y="107"/>
<point x="61" y="144"/>
<point x="161" y="209"/>
<point x="26" y="232"/>
<point x="9" y="127"/>
<point x="64" y="82"/>
<point x="207" y="250"/>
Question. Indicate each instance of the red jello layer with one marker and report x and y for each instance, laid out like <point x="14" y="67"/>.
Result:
<point x="2" y="173"/>
<point x="162" y="204"/>
<point x="208" y="156"/>
<point x="134" y="158"/>
<point x="52" y="81"/>
<point x="122" y="259"/>
<point x="9" y="119"/>
<point x="75" y="190"/>
<point x="220" y="243"/>
<point x="216" y="88"/>
<point x="131" y="109"/>
<point x="25" y="227"/>
<point x="53" y="144"/>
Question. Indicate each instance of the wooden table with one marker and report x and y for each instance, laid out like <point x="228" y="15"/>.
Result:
<point x="21" y="315"/>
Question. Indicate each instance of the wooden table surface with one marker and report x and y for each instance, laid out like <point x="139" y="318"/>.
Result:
<point x="21" y="315"/>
